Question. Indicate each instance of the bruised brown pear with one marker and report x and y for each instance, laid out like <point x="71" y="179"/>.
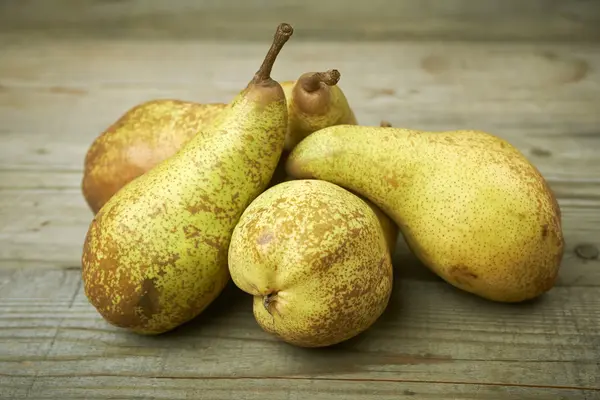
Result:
<point x="316" y="260"/>
<point x="155" y="256"/>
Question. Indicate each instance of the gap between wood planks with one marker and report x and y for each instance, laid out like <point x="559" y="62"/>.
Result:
<point x="290" y="378"/>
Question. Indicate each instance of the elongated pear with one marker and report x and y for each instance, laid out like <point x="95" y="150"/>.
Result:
<point x="141" y="138"/>
<point x="316" y="260"/>
<point x="155" y="256"/>
<point x="470" y="205"/>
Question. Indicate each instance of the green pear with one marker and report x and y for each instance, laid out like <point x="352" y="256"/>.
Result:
<point x="316" y="260"/>
<point x="155" y="256"/>
<point x="470" y="205"/>
<point x="141" y="138"/>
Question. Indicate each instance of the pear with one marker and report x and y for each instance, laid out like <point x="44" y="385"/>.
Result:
<point x="315" y="101"/>
<point x="140" y="139"/>
<point x="471" y="207"/>
<point x="389" y="227"/>
<point x="316" y="260"/>
<point x="155" y="256"/>
<point x="154" y="130"/>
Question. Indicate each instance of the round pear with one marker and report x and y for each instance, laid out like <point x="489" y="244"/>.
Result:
<point x="316" y="260"/>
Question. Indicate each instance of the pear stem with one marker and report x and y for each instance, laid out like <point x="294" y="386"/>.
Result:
<point x="283" y="33"/>
<point x="312" y="83"/>
<point x="385" y="124"/>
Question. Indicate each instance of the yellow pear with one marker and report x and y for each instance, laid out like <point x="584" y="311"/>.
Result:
<point x="316" y="260"/>
<point x="469" y="204"/>
<point x="155" y="256"/>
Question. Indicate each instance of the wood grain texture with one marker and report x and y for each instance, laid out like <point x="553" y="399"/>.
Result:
<point x="62" y="82"/>
<point x="330" y="20"/>
<point x="430" y="334"/>
<point x="146" y="388"/>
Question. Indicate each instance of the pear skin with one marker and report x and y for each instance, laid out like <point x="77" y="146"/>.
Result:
<point x="140" y="139"/>
<point x="470" y="205"/>
<point x="316" y="260"/>
<point x="390" y="229"/>
<point x="155" y="256"/>
<point x="315" y="101"/>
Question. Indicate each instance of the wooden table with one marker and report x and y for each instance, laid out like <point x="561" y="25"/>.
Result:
<point x="527" y="71"/>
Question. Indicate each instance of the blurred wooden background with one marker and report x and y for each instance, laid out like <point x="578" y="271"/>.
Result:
<point x="332" y="20"/>
<point x="528" y="71"/>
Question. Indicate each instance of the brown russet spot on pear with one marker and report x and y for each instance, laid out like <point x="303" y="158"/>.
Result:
<point x="155" y="255"/>
<point x="153" y="131"/>
<point x="469" y="204"/>
<point x="325" y="274"/>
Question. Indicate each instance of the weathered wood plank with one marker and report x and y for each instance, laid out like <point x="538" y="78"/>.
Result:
<point x="429" y="332"/>
<point x="315" y="20"/>
<point x="144" y="388"/>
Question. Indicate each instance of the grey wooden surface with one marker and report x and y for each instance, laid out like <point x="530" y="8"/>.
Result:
<point x="66" y="74"/>
<point x="388" y="20"/>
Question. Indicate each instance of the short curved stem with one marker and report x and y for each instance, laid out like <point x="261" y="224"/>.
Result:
<point x="312" y="83"/>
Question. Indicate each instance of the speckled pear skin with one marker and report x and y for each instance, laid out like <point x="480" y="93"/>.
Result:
<point x="142" y="137"/>
<point x="316" y="260"/>
<point x="155" y="256"/>
<point x="315" y="101"/>
<point x="469" y="204"/>
<point x="389" y="227"/>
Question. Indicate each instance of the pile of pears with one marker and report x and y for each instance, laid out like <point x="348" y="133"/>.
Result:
<point x="286" y="194"/>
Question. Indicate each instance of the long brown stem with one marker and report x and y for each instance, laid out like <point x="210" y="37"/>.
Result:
<point x="283" y="33"/>
<point x="313" y="82"/>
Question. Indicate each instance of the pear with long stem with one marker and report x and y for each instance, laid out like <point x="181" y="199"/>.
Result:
<point x="155" y="256"/>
